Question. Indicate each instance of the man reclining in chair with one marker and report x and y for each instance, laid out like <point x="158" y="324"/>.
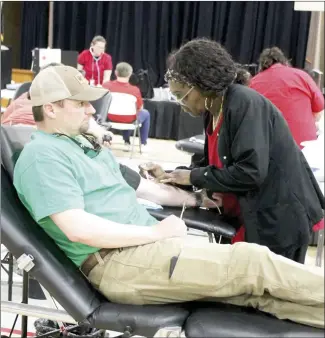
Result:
<point x="75" y="191"/>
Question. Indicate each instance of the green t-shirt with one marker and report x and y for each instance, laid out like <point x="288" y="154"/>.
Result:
<point x="53" y="174"/>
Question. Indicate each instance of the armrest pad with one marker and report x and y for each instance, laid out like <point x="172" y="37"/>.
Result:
<point x="199" y="219"/>
<point x="191" y="146"/>
<point x="140" y="320"/>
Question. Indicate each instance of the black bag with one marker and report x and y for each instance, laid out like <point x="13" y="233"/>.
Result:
<point x="142" y="80"/>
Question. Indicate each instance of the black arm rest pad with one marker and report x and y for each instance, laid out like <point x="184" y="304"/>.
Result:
<point x="191" y="146"/>
<point x="199" y="219"/>
<point x="225" y="320"/>
<point x="140" y="320"/>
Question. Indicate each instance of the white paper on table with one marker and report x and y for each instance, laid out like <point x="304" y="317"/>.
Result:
<point x="320" y="124"/>
<point x="49" y="55"/>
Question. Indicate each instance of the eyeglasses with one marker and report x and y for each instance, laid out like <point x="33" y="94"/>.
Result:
<point x="180" y="101"/>
<point x="90" y="152"/>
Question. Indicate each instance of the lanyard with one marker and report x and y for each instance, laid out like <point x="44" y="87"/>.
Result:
<point x="94" y="61"/>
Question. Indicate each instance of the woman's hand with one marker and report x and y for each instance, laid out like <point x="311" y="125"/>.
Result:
<point x="179" y="176"/>
<point x="152" y="170"/>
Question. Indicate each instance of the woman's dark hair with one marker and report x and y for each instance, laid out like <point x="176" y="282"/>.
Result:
<point x="202" y="63"/>
<point x="271" y="56"/>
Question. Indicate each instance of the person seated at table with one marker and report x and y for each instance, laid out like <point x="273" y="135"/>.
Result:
<point x="123" y="73"/>
<point x="95" y="64"/>
<point x="292" y="91"/>
<point x="19" y="112"/>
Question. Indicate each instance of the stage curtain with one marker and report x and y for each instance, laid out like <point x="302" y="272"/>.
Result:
<point x="144" y="33"/>
<point x="34" y="29"/>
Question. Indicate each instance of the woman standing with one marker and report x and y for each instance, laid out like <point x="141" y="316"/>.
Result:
<point x="95" y="64"/>
<point x="250" y="155"/>
<point x="292" y="91"/>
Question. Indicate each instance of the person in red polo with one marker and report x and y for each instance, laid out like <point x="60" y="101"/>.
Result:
<point x="123" y="73"/>
<point x="95" y="63"/>
<point x="292" y="91"/>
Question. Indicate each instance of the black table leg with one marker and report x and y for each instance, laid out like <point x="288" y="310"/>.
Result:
<point x="24" y="319"/>
<point x="10" y="275"/>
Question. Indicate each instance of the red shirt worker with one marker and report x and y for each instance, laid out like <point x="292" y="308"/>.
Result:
<point x="292" y="91"/>
<point x="95" y="63"/>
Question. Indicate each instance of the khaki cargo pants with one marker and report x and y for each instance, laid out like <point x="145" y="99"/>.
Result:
<point x="241" y="274"/>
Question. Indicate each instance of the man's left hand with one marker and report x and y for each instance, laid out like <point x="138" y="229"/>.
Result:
<point x="179" y="176"/>
<point x="99" y="132"/>
<point x="106" y="139"/>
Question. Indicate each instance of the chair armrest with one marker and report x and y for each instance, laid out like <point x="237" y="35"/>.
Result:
<point x="190" y="146"/>
<point x="138" y="320"/>
<point x="200" y="219"/>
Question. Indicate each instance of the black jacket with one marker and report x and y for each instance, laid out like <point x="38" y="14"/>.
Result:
<point x="279" y="197"/>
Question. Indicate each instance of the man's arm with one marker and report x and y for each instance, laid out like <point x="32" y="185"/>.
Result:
<point x="107" y="75"/>
<point x="81" y="63"/>
<point x="164" y="194"/>
<point x="156" y="192"/>
<point x="316" y="96"/>
<point x="108" y="66"/>
<point x="83" y="227"/>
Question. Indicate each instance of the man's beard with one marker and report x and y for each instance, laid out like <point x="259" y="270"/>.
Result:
<point x="84" y="127"/>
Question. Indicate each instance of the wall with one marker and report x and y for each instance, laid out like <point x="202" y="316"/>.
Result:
<point x="322" y="54"/>
<point x="315" y="46"/>
<point x="12" y="28"/>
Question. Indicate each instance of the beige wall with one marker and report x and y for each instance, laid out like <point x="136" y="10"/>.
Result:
<point x="321" y="52"/>
<point x="315" y="46"/>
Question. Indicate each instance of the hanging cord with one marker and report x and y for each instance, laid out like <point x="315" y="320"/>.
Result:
<point x="184" y="207"/>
